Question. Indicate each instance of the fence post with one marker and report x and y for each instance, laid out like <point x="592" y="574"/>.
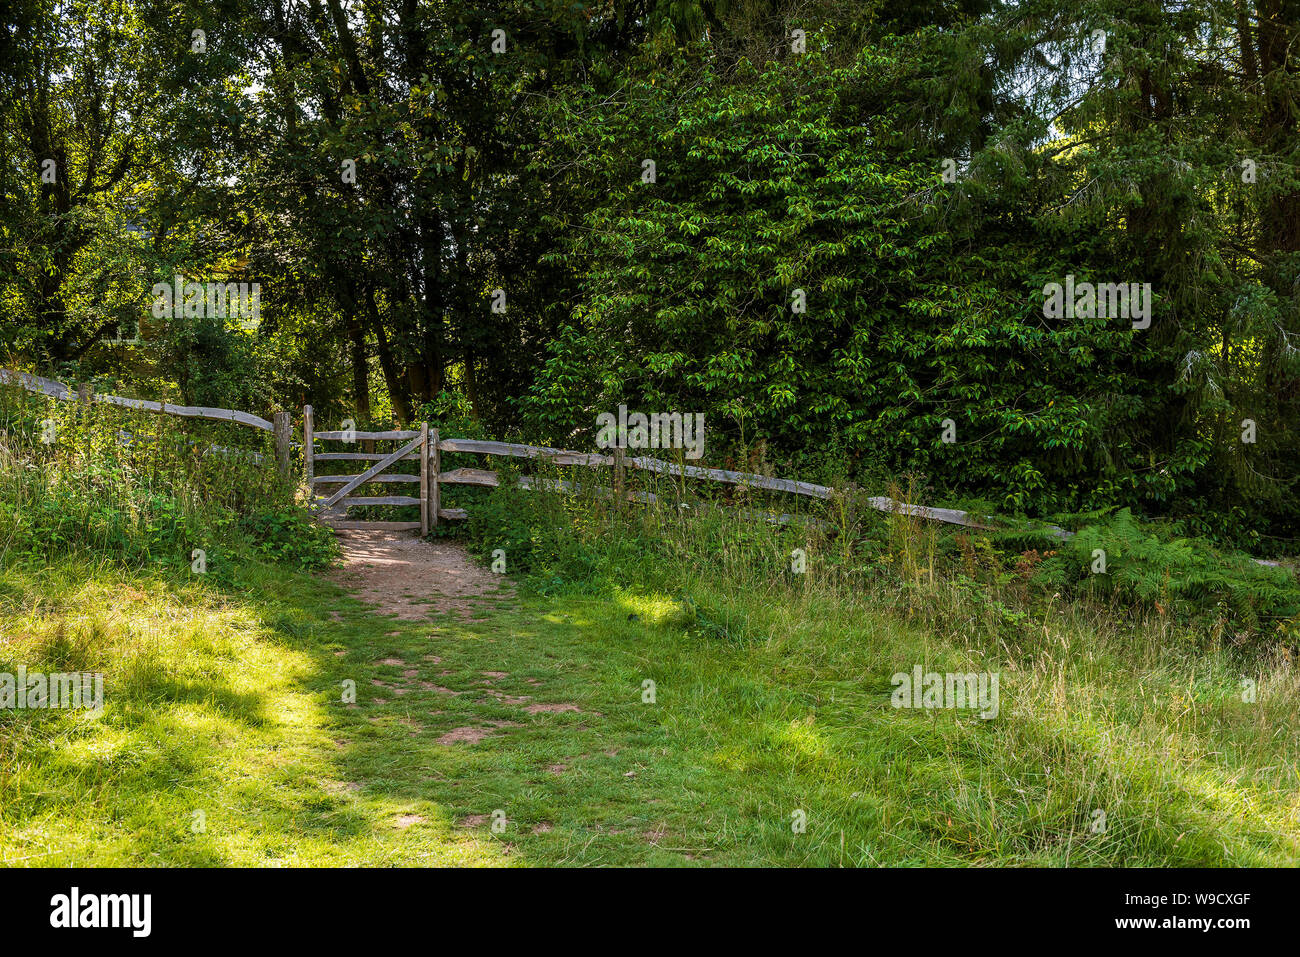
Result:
<point x="280" y="421"/>
<point x="83" y="401"/>
<point x="308" y="451"/>
<point x="435" y="466"/>
<point x="619" y="478"/>
<point x="424" y="479"/>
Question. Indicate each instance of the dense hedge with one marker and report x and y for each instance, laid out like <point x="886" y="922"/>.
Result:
<point x="799" y="270"/>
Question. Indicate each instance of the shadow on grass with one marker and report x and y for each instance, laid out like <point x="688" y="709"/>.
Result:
<point x="540" y="720"/>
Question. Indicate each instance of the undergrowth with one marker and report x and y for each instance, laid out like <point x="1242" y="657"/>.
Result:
<point x="144" y="491"/>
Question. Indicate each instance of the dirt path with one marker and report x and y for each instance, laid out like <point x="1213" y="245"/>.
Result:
<point x="412" y="579"/>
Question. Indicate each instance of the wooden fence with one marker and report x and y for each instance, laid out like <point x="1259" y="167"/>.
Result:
<point x="420" y="446"/>
<point x="425" y="447"/>
<point x="280" y="426"/>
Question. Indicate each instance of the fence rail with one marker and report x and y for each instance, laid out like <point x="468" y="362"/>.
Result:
<point x="485" y="477"/>
<point x="432" y="478"/>
<point x="279" y="428"/>
<point x="57" y="390"/>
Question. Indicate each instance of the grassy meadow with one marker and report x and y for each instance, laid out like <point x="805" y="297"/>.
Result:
<point x="655" y="691"/>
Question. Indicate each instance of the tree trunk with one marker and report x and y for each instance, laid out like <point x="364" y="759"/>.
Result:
<point x="360" y="364"/>
<point x="392" y="375"/>
<point x="1278" y="21"/>
<point x="471" y="381"/>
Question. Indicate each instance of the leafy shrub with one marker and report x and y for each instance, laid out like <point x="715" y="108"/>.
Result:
<point x="1151" y="567"/>
<point x="289" y="536"/>
<point x="539" y="535"/>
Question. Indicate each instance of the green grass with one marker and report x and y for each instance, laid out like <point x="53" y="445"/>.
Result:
<point x="226" y="737"/>
<point x="228" y="700"/>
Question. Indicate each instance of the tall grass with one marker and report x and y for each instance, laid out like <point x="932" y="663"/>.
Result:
<point x="1184" y="735"/>
<point x="109" y="484"/>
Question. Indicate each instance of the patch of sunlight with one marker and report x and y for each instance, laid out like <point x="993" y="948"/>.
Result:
<point x="561" y="617"/>
<point x="108" y="744"/>
<point x="1227" y="798"/>
<point x="801" y="738"/>
<point x="654" y="609"/>
<point x="196" y="720"/>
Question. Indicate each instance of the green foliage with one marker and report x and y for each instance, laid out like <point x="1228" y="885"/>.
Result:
<point x="538" y="535"/>
<point x="924" y="296"/>
<point x="1151" y="568"/>
<point x="213" y="363"/>
<point x="775" y="171"/>
<point x="788" y="180"/>
<point x="289" y="536"/>
<point x="452" y="414"/>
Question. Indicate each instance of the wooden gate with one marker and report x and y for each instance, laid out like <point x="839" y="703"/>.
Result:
<point x="416" y="446"/>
